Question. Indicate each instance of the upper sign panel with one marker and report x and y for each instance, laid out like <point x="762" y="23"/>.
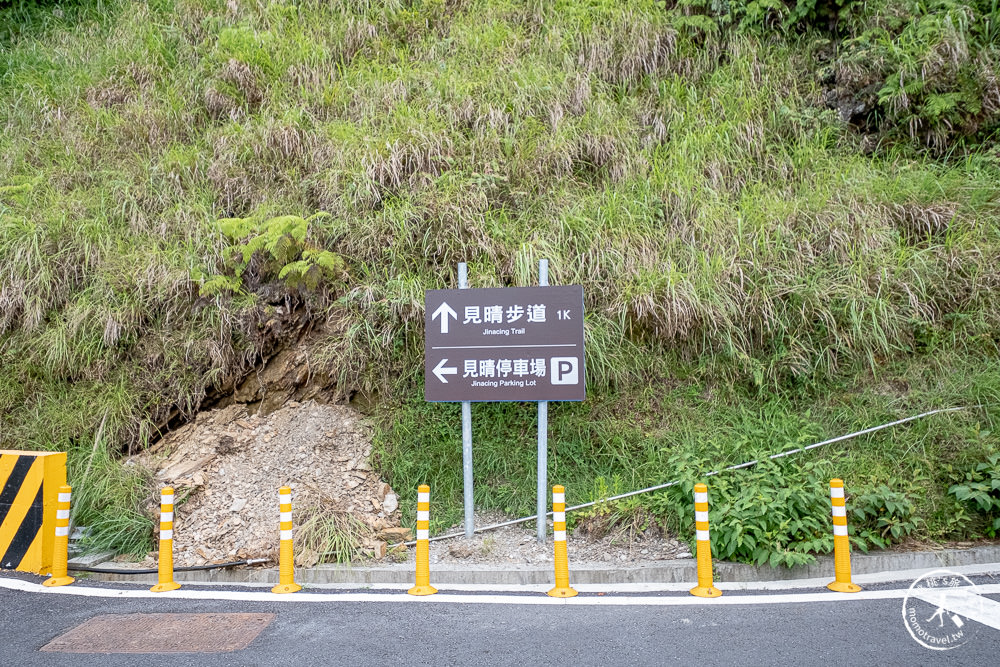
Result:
<point x="504" y="344"/>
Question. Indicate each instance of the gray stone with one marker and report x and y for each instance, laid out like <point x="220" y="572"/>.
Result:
<point x="390" y="503"/>
<point x="92" y="559"/>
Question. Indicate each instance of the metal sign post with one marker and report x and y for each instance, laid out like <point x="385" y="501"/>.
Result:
<point x="543" y="434"/>
<point x="467" y="488"/>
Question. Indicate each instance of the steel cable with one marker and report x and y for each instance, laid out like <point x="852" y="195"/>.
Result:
<point x="747" y="464"/>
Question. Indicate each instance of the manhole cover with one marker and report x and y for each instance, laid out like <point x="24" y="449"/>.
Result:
<point x="161" y="633"/>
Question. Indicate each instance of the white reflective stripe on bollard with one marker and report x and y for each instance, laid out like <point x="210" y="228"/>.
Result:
<point x="166" y="534"/>
<point x="559" y="535"/>
<point x="839" y="510"/>
<point x="700" y="515"/>
<point x="286" y="516"/>
<point x="702" y="535"/>
<point x="423" y="515"/>
<point x="700" y="497"/>
<point x="285" y="534"/>
<point x="836" y="492"/>
<point x="166" y="516"/>
<point x="64" y="497"/>
<point x="62" y="514"/>
<point x="62" y="531"/>
<point x="840" y="531"/>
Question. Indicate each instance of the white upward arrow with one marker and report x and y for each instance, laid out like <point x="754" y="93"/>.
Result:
<point x="444" y="311"/>
<point x="440" y="370"/>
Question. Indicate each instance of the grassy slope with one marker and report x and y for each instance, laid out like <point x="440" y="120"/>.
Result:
<point x="752" y="277"/>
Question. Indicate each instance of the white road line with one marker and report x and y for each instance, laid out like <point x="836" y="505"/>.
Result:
<point x="610" y="588"/>
<point x="610" y="600"/>
<point x="964" y="603"/>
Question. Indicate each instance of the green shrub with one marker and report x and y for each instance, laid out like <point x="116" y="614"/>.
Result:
<point x="981" y="490"/>
<point x="879" y="517"/>
<point x="923" y="73"/>
<point x="778" y="513"/>
<point x="936" y="72"/>
<point x="774" y="513"/>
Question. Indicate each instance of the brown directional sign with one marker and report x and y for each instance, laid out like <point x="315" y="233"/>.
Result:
<point x="504" y="344"/>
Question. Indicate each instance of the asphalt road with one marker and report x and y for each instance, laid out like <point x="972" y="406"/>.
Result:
<point x="358" y="633"/>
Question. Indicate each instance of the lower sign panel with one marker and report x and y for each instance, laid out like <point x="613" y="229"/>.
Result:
<point x="511" y="375"/>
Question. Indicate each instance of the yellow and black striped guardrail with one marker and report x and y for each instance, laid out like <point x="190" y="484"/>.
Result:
<point x="29" y="494"/>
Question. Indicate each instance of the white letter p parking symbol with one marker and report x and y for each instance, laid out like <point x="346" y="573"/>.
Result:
<point x="564" y="370"/>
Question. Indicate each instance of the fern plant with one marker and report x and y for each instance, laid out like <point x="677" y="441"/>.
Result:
<point x="283" y="243"/>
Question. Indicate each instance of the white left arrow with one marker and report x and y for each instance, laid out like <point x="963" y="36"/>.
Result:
<point x="444" y="311"/>
<point x="440" y="370"/>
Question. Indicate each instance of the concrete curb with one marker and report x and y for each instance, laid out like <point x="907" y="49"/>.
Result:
<point x="586" y="574"/>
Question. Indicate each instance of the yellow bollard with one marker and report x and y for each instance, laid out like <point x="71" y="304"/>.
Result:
<point x="286" y="560"/>
<point x="423" y="583"/>
<point x="165" y="564"/>
<point x="562" y="589"/>
<point x="841" y="542"/>
<point x="705" y="587"/>
<point x="60" y="576"/>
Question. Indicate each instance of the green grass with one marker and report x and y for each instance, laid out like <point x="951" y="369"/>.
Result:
<point x="756" y="271"/>
<point x="680" y="430"/>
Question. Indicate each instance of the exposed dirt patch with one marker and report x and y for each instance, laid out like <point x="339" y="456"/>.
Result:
<point x="227" y="466"/>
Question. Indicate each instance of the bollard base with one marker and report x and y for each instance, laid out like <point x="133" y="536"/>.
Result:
<point x="58" y="581"/>
<point x="287" y="588"/>
<point x="163" y="588"/>
<point x="422" y="590"/>
<point x="841" y="587"/>
<point x="706" y="591"/>
<point x="562" y="592"/>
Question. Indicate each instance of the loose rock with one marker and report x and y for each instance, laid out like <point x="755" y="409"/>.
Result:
<point x="390" y="503"/>
<point x="227" y="467"/>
